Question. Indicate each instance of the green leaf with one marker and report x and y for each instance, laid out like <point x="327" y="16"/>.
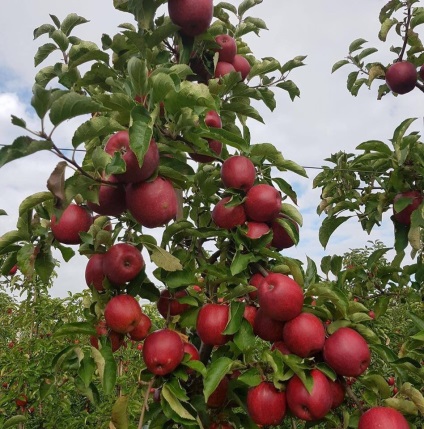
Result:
<point x="44" y="266"/>
<point x="138" y="74"/>
<point x="71" y="105"/>
<point x="164" y="259"/>
<point x="403" y="405"/>
<point x="174" y="403"/>
<point x="419" y="336"/>
<point x="241" y="261"/>
<point x="43" y="29"/>
<point x="216" y="372"/>
<point x="416" y="320"/>
<point x="339" y="64"/>
<point x="376" y="256"/>
<point x="356" y="44"/>
<point x="291" y="64"/>
<point x="18" y="121"/>
<point x="71" y="21"/>
<point x="243" y="109"/>
<point x="334" y="295"/>
<point x="376" y="146"/>
<point x="244" y="338"/>
<point x="414" y="395"/>
<point x="14" y="421"/>
<point x="264" y="67"/>
<point x="61" y="40"/>
<point x="43" y="52"/>
<point x="141" y="132"/>
<point x="236" y="316"/>
<point x="3" y="212"/>
<point x="40" y="100"/>
<point x="34" y="200"/>
<point x="385" y="28"/>
<point x="119" y="415"/>
<point x="291" y="88"/>
<point x="86" y="369"/>
<point x="329" y="225"/>
<point x="245" y="5"/>
<point x="110" y="370"/>
<point x="84" y="52"/>
<point x="161" y="33"/>
<point x="21" y="147"/>
<point x="75" y="328"/>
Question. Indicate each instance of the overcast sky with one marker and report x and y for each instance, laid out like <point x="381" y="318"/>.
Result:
<point x="324" y="120"/>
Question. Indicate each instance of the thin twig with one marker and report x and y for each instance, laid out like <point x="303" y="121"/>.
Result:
<point x="145" y="405"/>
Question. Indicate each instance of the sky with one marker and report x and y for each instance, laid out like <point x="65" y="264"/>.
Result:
<point x="324" y="120"/>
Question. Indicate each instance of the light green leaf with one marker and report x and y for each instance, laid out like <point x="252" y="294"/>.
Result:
<point x="137" y="72"/>
<point x="174" y="403"/>
<point x="339" y="64"/>
<point x="14" y="421"/>
<point x="164" y="259"/>
<point x="119" y="416"/>
<point x="33" y="200"/>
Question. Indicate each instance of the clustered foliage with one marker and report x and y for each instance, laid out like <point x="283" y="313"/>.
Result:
<point x="158" y="88"/>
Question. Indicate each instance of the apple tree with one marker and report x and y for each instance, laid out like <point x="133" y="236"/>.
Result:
<point x="187" y="226"/>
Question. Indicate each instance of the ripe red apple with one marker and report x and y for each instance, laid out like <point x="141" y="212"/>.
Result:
<point x="120" y="142"/>
<point x="250" y="314"/>
<point x="255" y="280"/>
<point x="304" y="335"/>
<point x="241" y="65"/>
<point x="191" y="349"/>
<point x="238" y="172"/>
<point x="404" y="216"/>
<point x="123" y="313"/>
<point x="214" y="145"/>
<point x="193" y="16"/>
<point x="401" y="77"/>
<point x="280" y="297"/>
<point x="169" y="302"/>
<point x="228" y="217"/>
<point x="211" y="321"/>
<point x="222" y="68"/>
<point x="21" y="400"/>
<point x="213" y="120"/>
<point x="309" y="406"/>
<point x="111" y="199"/>
<point x="228" y="48"/>
<point x="256" y="230"/>
<point x="391" y="381"/>
<point x="347" y="352"/>
<point x="219" y="396"/>
<point x="382" y="417"/>
<point x="140" y="332"/>
<point x="266" y="328"/>
<point x="122" y="263"/>
<point x="74" y="219"/>
<point x="94" y="274"/>
<point x="263" y="203"/>
<point x="152" y="204"/>
<point x="281" y="347"/>
<point x="265" y="404"/>
<point x="13" y="270"/>
<point x="163" y="351"/>
<point x="280" y="237"/>
<point x="338" y="392"/>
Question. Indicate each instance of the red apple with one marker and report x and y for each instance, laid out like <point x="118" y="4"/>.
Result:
<point x="213" y="120"/>
<point x="219" y="396"/>
<point x="94" y="274"/>
<point x="140" y="332"/>
<point x="280" y="237"/>
<point x="122" y="263"/>
<point x="304" y="335"/>
<point x="211" y="321"/>
<point x="263" y="203"/>
<point x="228" y="48"/>
<point x="223" y="68"/>
<point x="111" y="199"/>
<point x="250" y="314"/>
<point x="265" y="404"/>
<point x="280" y="297"/>
<point x="13" y="270"/>
<point x="382" y="417"/>
<point x="404" y="216"/>
<point x="193" y="16"/>
<point x="255" y="280"/>
<point x="401" y="77"/>
<point x="214" y="145"/>
<point x="74" y="219"/>
<point x="120" y="142"/>
<point x="281" y="347"/>
<point x="347" y="352"/>
<point x="168" y="302"/>
<point x="228" y="217"/>
<point x="391" y="381"/>
<point x="309" y="406"/>
<point x="123" y="313"/>
<point x="266" y="328"/>
<point x="256" y="230"/>
<point x="338" y="392"/>
<point x="163" y="351"/>
<point x="371" y="314"/>
<point x="191" y="349"/>
<point x="238" y="172"/>
<point x="241" y="65"/>
<point x="152" y="204"/>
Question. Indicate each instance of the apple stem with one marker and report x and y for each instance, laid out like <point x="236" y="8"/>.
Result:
<point x="145" y="403"/>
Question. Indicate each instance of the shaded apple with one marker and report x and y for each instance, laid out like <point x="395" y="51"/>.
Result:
<point x="281" y="347"/>
<point x="255" y="280"/>
<point x="228" y="217"/>
<point x="238" y="172"/>
<point x="140" y="332"/>
<point x="280" y="237"/>
<point x="211" y="322"/>
<point x="347" y="352"/>
<point x="263" y="203"/>
<point x="168" y="302"/>
<point x="111" y="199"/>
<point x="250" y="314"/>
<point x="401" y="77"/>
<point x="116" y="339"/>
<point x="163" y="351"/>
<point x="265" y="404"/>
<point x="223" y="68"/>
<point x="122" y="263"/>
<point x="219" y="396"/>
<point x="280" y="297"/>
<point x="74" y="220"/>
<point x="404" y="216"/>
<point x="152" y="204"/>
<point x="94" y="274"/>
<point x="241" y="65"/>
<point x="228" y="48"/>
<point x="338" y="392"/>
<point x="309" y="406"/>
<point x="214" y="145"/>
<point x="123" y="313"/>
<point x="193" y="16"/>
<point x="382" y="417"/>
<point x="304" y="335"/>
<point x="266" y="328"/>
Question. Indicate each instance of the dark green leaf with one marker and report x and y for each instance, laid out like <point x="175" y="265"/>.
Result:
<point x="291" y="88"/>
<point x="356" y="44"/>
<point x="70" y="22"/>
<point x="339" y="64"/>
<point x="18" y="121"/>
<point x="61" y="40"/>
<point x="43" y="29"/>
<point x="44" y="266"/>
<point x="21" y="147"/>
<point x="43" y="52"/>
<point x="216" y="372"/>
<point x="236" y="316"/>
<point x="329" y="225"/>
<point x="138" y="74"/>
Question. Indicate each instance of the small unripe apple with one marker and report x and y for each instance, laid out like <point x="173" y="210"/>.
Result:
<point x="228" y="217"/>
<point x="238" y="172"/>
<point x="228" y="48"/>
<point x="401" y="77"/>
<point x="74" y="220"/>
<point x="263" y="203"/>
